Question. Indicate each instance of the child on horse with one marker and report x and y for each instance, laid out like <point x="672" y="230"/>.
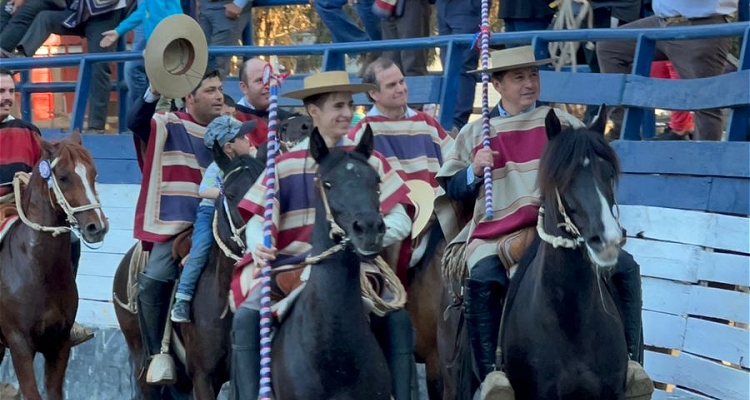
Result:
<point x="495" y="245"/>
<point x="327" y="97"/>
<point x="20" y="151"/>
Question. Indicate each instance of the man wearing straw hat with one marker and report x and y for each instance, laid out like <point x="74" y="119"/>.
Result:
<point x="327" y="96"/>
<point x="494" y="246"/>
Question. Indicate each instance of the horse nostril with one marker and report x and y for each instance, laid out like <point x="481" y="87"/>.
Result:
<point x="92" y="228"/>
<point x="381" y="226"/>
<point x="596" y="241"/>
<point x="357" y="227"/>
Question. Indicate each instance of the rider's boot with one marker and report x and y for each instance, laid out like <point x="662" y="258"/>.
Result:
<point x="483" y="308"/>
<point x="627" y="293"/>
<point x="400" y="353"/>
<point x="78" y="334"/>
<point x="153" y="307"/>
<point x="245" y="365"/>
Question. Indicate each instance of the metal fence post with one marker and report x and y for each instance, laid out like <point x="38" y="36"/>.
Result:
<point x="633" y="119"/>
<point x="81" y="97"/>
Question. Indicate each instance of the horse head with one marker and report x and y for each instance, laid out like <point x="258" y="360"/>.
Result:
<point x="350" y="192"/>
<point x="577" y="176"/>
<point x="239" y="175"/>
<point x="70" y="172"/>
<point x="293" y="130"/>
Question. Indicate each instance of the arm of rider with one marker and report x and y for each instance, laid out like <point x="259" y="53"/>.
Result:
<point x="254" y="240"/>
<point x="209" y="187"/>
<point x="139" y="116"/>
<point x="397" y="225"/>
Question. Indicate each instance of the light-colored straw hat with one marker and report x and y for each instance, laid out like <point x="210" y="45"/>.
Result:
<point x="513" y="58"/>
<point x="328" y="82"/>
<point x="176" y="56"/>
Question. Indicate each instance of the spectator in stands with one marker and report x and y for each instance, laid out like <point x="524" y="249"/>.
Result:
<point x="453" y="17"/>
<point x="525" y="15"/>
<point x="222" y="22"/>
<point x="15" y="18"/>
<point x="343" y="29"/>
<point x="146" y="17"/>
<point x="698" y="58"/>
<point x="408" y="19"/>
<point x="229" y="106"/>
<point x="680" y="122"/>
<point x="88" y="23"/>
<point x="20" y="151"/>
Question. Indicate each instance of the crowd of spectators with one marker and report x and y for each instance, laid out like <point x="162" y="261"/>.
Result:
<point x="26" y="24"/>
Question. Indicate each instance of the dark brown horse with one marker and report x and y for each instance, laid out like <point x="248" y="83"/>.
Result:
<point x="38" y="294"/>
<point x="206" y="338"/>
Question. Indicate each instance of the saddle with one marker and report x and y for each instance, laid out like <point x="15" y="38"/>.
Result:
<point x="284" y="282"/>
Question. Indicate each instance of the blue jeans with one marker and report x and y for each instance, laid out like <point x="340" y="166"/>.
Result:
<point x="455" y="16"/>
<point x="200" y="248"/>
<point x="342" y="28"/>
<point x="135" y="73"/>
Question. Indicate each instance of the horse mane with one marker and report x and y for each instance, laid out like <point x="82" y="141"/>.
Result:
<point x="68" y="150"/>
<point x="562" y="156"/>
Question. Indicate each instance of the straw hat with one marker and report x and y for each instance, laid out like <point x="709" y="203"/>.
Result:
<point x="328" y="82"/>
<point x="422" y="196"/>
<point x="513" y="58"/>
<point x="176" y="56"/>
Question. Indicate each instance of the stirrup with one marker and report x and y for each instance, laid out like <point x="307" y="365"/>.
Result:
<point x="638" y="385"/>
<point x="496" y="386"/>
<point x="161" y="370"/>
<point x="79" y="334"/>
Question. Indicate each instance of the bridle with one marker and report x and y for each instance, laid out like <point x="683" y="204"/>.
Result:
<point x="335" y="231"/>
<point x="236" y="232"/>
<point x="59" y="198"/>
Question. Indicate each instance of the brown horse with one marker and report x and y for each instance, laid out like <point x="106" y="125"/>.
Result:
<point x="38" y="294"/>
<point x="206" y="338"/>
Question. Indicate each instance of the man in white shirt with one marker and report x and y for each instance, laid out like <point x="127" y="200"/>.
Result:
<point x="700" y="58"/>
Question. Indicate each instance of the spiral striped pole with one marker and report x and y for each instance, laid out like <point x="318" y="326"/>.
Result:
<point x="484" y="36"/>
<point x="265" y="294"/>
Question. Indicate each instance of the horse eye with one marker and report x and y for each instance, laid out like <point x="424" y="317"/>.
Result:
<point x="327" y="185"/>
<point x="64" y="179"/>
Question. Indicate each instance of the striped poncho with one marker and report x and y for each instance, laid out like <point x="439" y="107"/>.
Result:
<point x="172" y="166"/>
<point x="19" y="150"/>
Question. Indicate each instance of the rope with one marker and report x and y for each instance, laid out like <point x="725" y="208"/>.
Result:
<point x="565" y="52"/>
<point x="224" y="248"/>
<point x="269" y="78"/>
<point x="55" y="230"/>
<point x="484" y="33"/>
<point x="380" y="306"/>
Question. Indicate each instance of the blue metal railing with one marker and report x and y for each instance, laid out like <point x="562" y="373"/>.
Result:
<point x="333" y="58"/>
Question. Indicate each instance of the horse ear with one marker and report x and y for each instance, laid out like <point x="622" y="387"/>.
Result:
<point x="48" y="150"/>
<point x="599" y="123"/>
<point x="552" y="124"/>
<point x="318" y="146"/>
<point x="75" y="137"/>
<point x="366" y="143"/>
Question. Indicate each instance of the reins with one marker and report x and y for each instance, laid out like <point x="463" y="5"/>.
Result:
<point x="69" y="211"/>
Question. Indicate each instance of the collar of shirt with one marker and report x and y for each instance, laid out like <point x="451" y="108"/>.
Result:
<point x="375" y="112"/>
<point x="504" y="113"/>
<point x="8" y="119"/>
<point x="243" y="102"/>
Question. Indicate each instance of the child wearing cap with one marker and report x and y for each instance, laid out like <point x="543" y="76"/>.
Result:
<point x="228" y="134"/>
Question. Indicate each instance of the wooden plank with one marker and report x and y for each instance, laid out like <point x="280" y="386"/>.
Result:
<point x="728" y="159"/>
<point x="663" y="330"/>
<point x="94" y="287"/>
<point x="718" y="341"/>
<point x="701" y="375"/>
<point x="688" y="263"/>
<point x="118" y="171"/>
<point x="677" y="394"/>
<point x="685" y="299"/>
<point x="117" y="241"/>
<point x="110" y="147"/>
<point x="691" y="227"/>
<point x="659" y="191"/>
<point x="730" y="195"/>
<point x="97" y="313"/>
<point x="99" y="264"/>
<point x="565" y="87"/>
<point x="120" y="218"/>
<point x="118" y="195"/>
<point x="720" y="91"/>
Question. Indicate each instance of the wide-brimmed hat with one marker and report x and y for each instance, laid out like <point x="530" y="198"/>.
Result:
<point x="176" y="56"/>
<point x="513" y="58"/>
<point x="328" y="82"/>
<point x="422" y="197"/>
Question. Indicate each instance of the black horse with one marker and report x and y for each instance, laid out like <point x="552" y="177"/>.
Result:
<point x="324" y="349"/>
<point x="565" y="338"/>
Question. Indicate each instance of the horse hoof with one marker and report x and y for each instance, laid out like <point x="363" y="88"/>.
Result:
<point x="638" y="385"/>
<point x="496" y="386"/>
<point x="9" y="392"/>
<point x="161" y="371"/>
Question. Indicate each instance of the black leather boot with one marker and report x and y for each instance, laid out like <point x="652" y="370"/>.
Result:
<point x="245" y="366"/>
<point x="153" y="307"/>
<point x="483" y="308"/>
<point x="400" y="353"/>
<point x="627" y="283"/>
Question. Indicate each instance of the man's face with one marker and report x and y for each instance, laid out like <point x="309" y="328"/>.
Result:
<point x="393" y="92"/>
<point x="7" y="95"/>
<point x="252" y="85"/>
<point x="334" y="117"/>
<point x="207" y="102"/>
<point x="519" y="88"/>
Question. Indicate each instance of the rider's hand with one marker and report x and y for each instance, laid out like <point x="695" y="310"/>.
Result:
<point x="263" y="253"/>
<point x="109" y="38"/>
<point x="16" y="4"/>
<point x="483" y="158"/>
<point x="231" y="11"/>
